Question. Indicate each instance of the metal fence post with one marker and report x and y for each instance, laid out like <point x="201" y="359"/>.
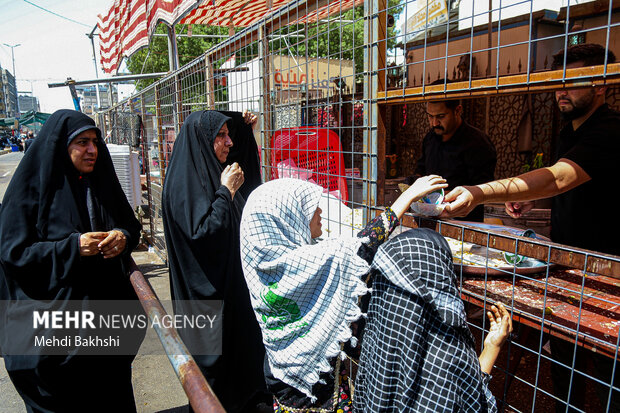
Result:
<point x="266" y="123"/>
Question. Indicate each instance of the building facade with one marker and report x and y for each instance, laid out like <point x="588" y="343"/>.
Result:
<point x="88" y="98"/>
<point x="8" y="106"/>
<point x="28" y="103"/>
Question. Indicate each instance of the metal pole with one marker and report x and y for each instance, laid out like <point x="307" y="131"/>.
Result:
<point x="110" y="94"/>
<point x="197" y="36"/>
<point x="265" y="101"/>
<point x="487" y="109"/>
<point x="91" y="36"/>
<point x="173" y="55"/>
<point x="14" y="75"/>
<point x="114" y="79"/>
<point x="200" y="395"/>
<point x="173" y="61"/>
<point x="76" y="100"/>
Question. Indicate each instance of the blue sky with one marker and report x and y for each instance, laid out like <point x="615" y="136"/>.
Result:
<point x="52" y="48"/>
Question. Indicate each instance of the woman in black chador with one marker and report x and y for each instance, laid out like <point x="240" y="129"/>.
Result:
<point x="66" y="232"/>
<point x="204" y="193"/>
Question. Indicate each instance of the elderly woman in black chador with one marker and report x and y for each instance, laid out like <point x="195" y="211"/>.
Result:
<point x="204" y="193"/>
<point x="66" y="232"/>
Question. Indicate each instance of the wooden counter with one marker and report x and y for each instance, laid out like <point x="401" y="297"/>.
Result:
<point x="565" y="304"/>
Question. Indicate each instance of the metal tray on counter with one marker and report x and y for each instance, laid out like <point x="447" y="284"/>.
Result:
<point x="478" y="260"/>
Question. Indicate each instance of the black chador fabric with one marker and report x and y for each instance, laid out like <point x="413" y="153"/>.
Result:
<point x="44" y="211"/>
<point x="418" y="354"/>
<point x="244" y="151"/>
<point x="201" y="224"/>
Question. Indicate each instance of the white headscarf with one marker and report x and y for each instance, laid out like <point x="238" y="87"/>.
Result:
<point x="304" y="294"/>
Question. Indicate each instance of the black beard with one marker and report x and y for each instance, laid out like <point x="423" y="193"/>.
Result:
<point x="575" y="113"/>
<point x="581" y="106"/>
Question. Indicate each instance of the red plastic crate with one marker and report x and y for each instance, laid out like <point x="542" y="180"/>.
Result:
<point x="313" y="148"/>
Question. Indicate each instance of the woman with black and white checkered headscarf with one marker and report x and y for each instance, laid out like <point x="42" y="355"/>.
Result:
<point x="417" y="352"/>
<point x="305" y="293"/>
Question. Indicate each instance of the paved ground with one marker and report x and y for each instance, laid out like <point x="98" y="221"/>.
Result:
<point x="156" y="386"/>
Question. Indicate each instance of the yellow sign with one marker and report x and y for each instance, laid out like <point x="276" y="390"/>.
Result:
<point x="437" y="12"/>
<point x="292" y="72"/>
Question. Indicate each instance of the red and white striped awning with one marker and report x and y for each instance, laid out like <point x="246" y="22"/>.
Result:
<point x="236" y="13"/>
<point x="129" y="24"/>
<point x="334" y="8"/>
<point x="243" y="13"/>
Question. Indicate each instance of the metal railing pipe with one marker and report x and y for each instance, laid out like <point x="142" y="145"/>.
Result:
<point x="200" y="395"/>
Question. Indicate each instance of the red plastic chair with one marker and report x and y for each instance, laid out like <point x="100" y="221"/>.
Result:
<point x="313" y="148"/>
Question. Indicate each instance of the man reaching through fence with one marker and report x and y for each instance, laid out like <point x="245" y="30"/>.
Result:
<point x="586" y="166"/>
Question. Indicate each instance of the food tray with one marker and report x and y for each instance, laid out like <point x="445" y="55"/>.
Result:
<point x="474" y="261"/>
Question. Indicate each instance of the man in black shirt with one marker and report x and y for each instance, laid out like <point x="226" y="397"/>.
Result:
<point x="455" y="150"/>
<point x="580" y="181"/>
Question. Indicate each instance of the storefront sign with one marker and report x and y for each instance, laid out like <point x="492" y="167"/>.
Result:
<point x="435" y="9"/>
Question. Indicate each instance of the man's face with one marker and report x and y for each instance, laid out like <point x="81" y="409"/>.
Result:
<point x="442" y="120"/>
<point x="574" y="103"/>
<point x="83" y="151"/>
<point x="222" y="144"/>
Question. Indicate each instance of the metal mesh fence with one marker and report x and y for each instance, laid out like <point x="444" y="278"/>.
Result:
<point x="341" y="100"/>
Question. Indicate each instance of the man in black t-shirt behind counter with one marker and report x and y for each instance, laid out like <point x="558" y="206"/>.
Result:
<point x="455" y="150"/>
<point x="581" y="180"/>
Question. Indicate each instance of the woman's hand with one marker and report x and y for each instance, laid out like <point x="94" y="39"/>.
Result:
<point x="499" y="330"/>
<point x="113" y="245"/>
<point x="250" y="118"/>
<point x="500" y="326"/>
<point x="420" y="187"/>
<point x="232" y="178"/>
<point x="89" y="243"/>
<point x="425" y="185"/>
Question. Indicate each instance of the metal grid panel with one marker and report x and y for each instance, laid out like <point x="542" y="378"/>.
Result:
<point x="356" y="74"/>
<point x="474" y="47"/>
<point x="566" y="318"/>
